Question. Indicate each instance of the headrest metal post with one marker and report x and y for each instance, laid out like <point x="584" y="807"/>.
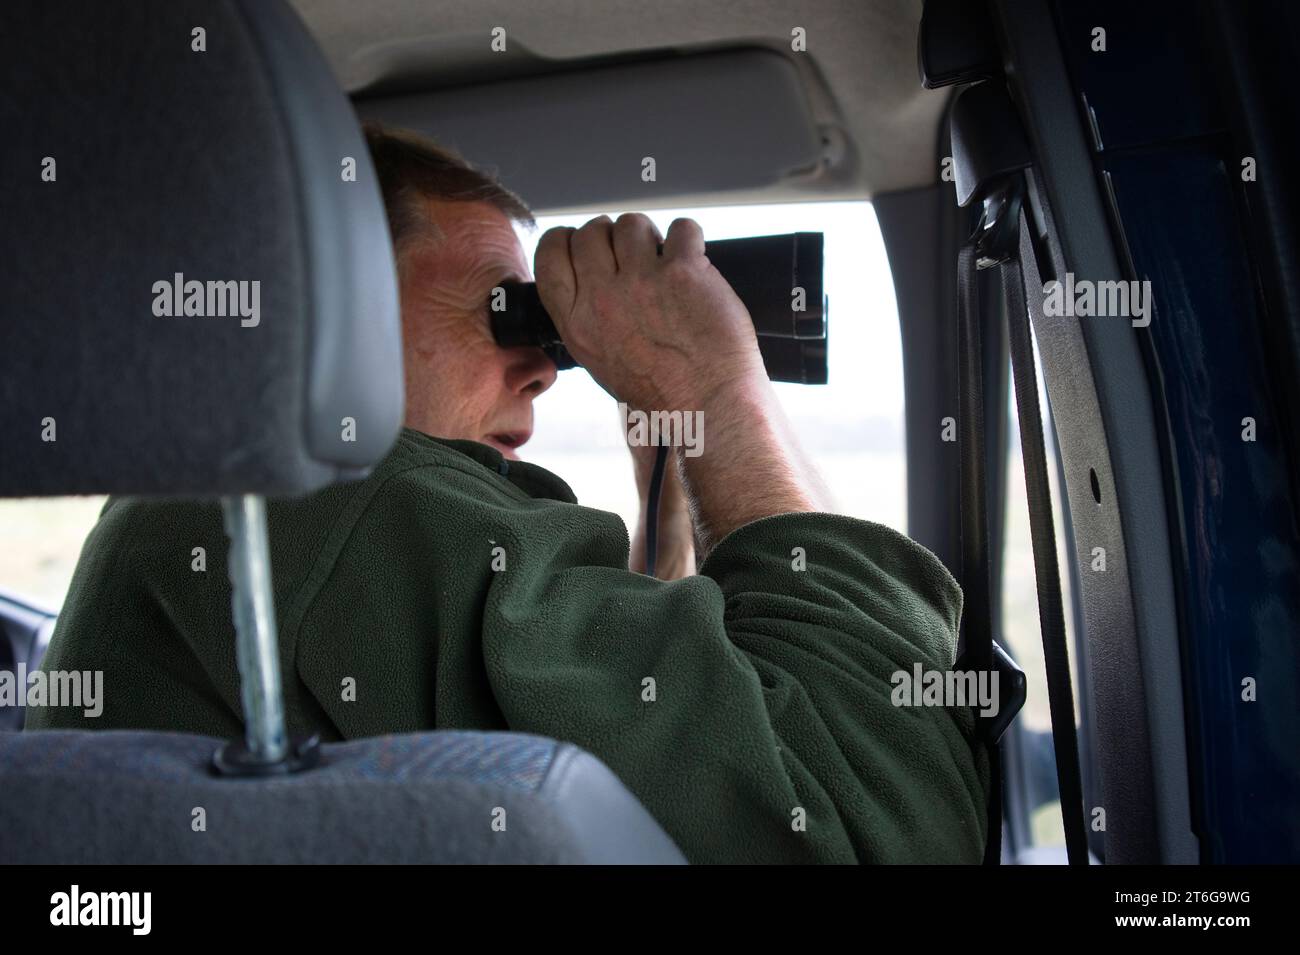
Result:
<point x="257" y="649"/>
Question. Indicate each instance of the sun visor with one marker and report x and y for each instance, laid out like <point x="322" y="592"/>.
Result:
<point x="634" y="134"/>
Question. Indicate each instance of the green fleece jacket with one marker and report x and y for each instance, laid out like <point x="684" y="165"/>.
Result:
<point x="727" y="702"/>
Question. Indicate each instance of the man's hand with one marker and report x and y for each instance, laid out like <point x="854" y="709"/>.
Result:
<point x="667" y="333"/>
<point x="656" y="331"/>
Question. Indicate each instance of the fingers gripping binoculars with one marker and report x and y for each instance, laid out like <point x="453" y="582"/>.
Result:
<point x="777" y="277"/>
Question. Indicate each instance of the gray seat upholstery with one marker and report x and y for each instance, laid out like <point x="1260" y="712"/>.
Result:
<point x="227" y="164"/>
<point x="447" y="797"/>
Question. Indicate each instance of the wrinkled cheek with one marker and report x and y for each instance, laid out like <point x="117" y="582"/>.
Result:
<point x="451" y="399"/>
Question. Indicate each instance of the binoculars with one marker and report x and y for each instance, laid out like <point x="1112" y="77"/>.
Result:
<point x="777" y="277"/>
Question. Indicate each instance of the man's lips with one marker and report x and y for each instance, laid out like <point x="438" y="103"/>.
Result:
<point x="507" y="441"/>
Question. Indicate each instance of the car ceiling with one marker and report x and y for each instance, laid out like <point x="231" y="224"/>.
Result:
<point x="857" y="80"/>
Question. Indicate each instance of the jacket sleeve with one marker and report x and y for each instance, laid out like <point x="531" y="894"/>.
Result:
<point x="749" y="707"/>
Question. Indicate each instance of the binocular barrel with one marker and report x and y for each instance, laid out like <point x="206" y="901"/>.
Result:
<point x="777" y="277"/>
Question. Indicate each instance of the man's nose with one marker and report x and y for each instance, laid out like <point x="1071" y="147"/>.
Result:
<point x="530" y="372"/>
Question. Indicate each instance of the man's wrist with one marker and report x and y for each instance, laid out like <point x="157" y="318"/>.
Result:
<point x="710" y="386"/>
<point x="749" y="467"/>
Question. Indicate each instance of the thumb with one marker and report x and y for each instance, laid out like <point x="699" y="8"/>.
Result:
<point x="553" y="265"/>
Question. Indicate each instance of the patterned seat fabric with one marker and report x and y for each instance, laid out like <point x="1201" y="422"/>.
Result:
<point x="447" y="797"/>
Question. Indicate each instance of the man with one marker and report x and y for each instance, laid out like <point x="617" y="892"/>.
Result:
<point x="748" y="706"/>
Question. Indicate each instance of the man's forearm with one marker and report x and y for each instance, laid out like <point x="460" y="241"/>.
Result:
<point x="750" y="466"/>
<point x="675" y="544"/>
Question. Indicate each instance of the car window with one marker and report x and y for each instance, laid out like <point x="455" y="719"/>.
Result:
<point x="40" y="540"/>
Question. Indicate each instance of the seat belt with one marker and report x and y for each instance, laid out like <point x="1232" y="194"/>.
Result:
<point x="977" y="653"/>
<point x="1042" y="530"/>
<point x="998" y="243"/>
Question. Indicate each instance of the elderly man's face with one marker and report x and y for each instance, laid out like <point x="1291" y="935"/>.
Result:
<point x="459" y="384"/>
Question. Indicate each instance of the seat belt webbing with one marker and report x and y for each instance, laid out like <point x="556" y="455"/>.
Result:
<point x="978" y="651"/>
<point x="1042" y="530"/>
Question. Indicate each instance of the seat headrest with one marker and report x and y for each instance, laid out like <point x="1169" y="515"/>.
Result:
<point x="199" y="291"/>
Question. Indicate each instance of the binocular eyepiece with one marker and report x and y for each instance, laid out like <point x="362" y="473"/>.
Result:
<point x="777" y="277"/>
